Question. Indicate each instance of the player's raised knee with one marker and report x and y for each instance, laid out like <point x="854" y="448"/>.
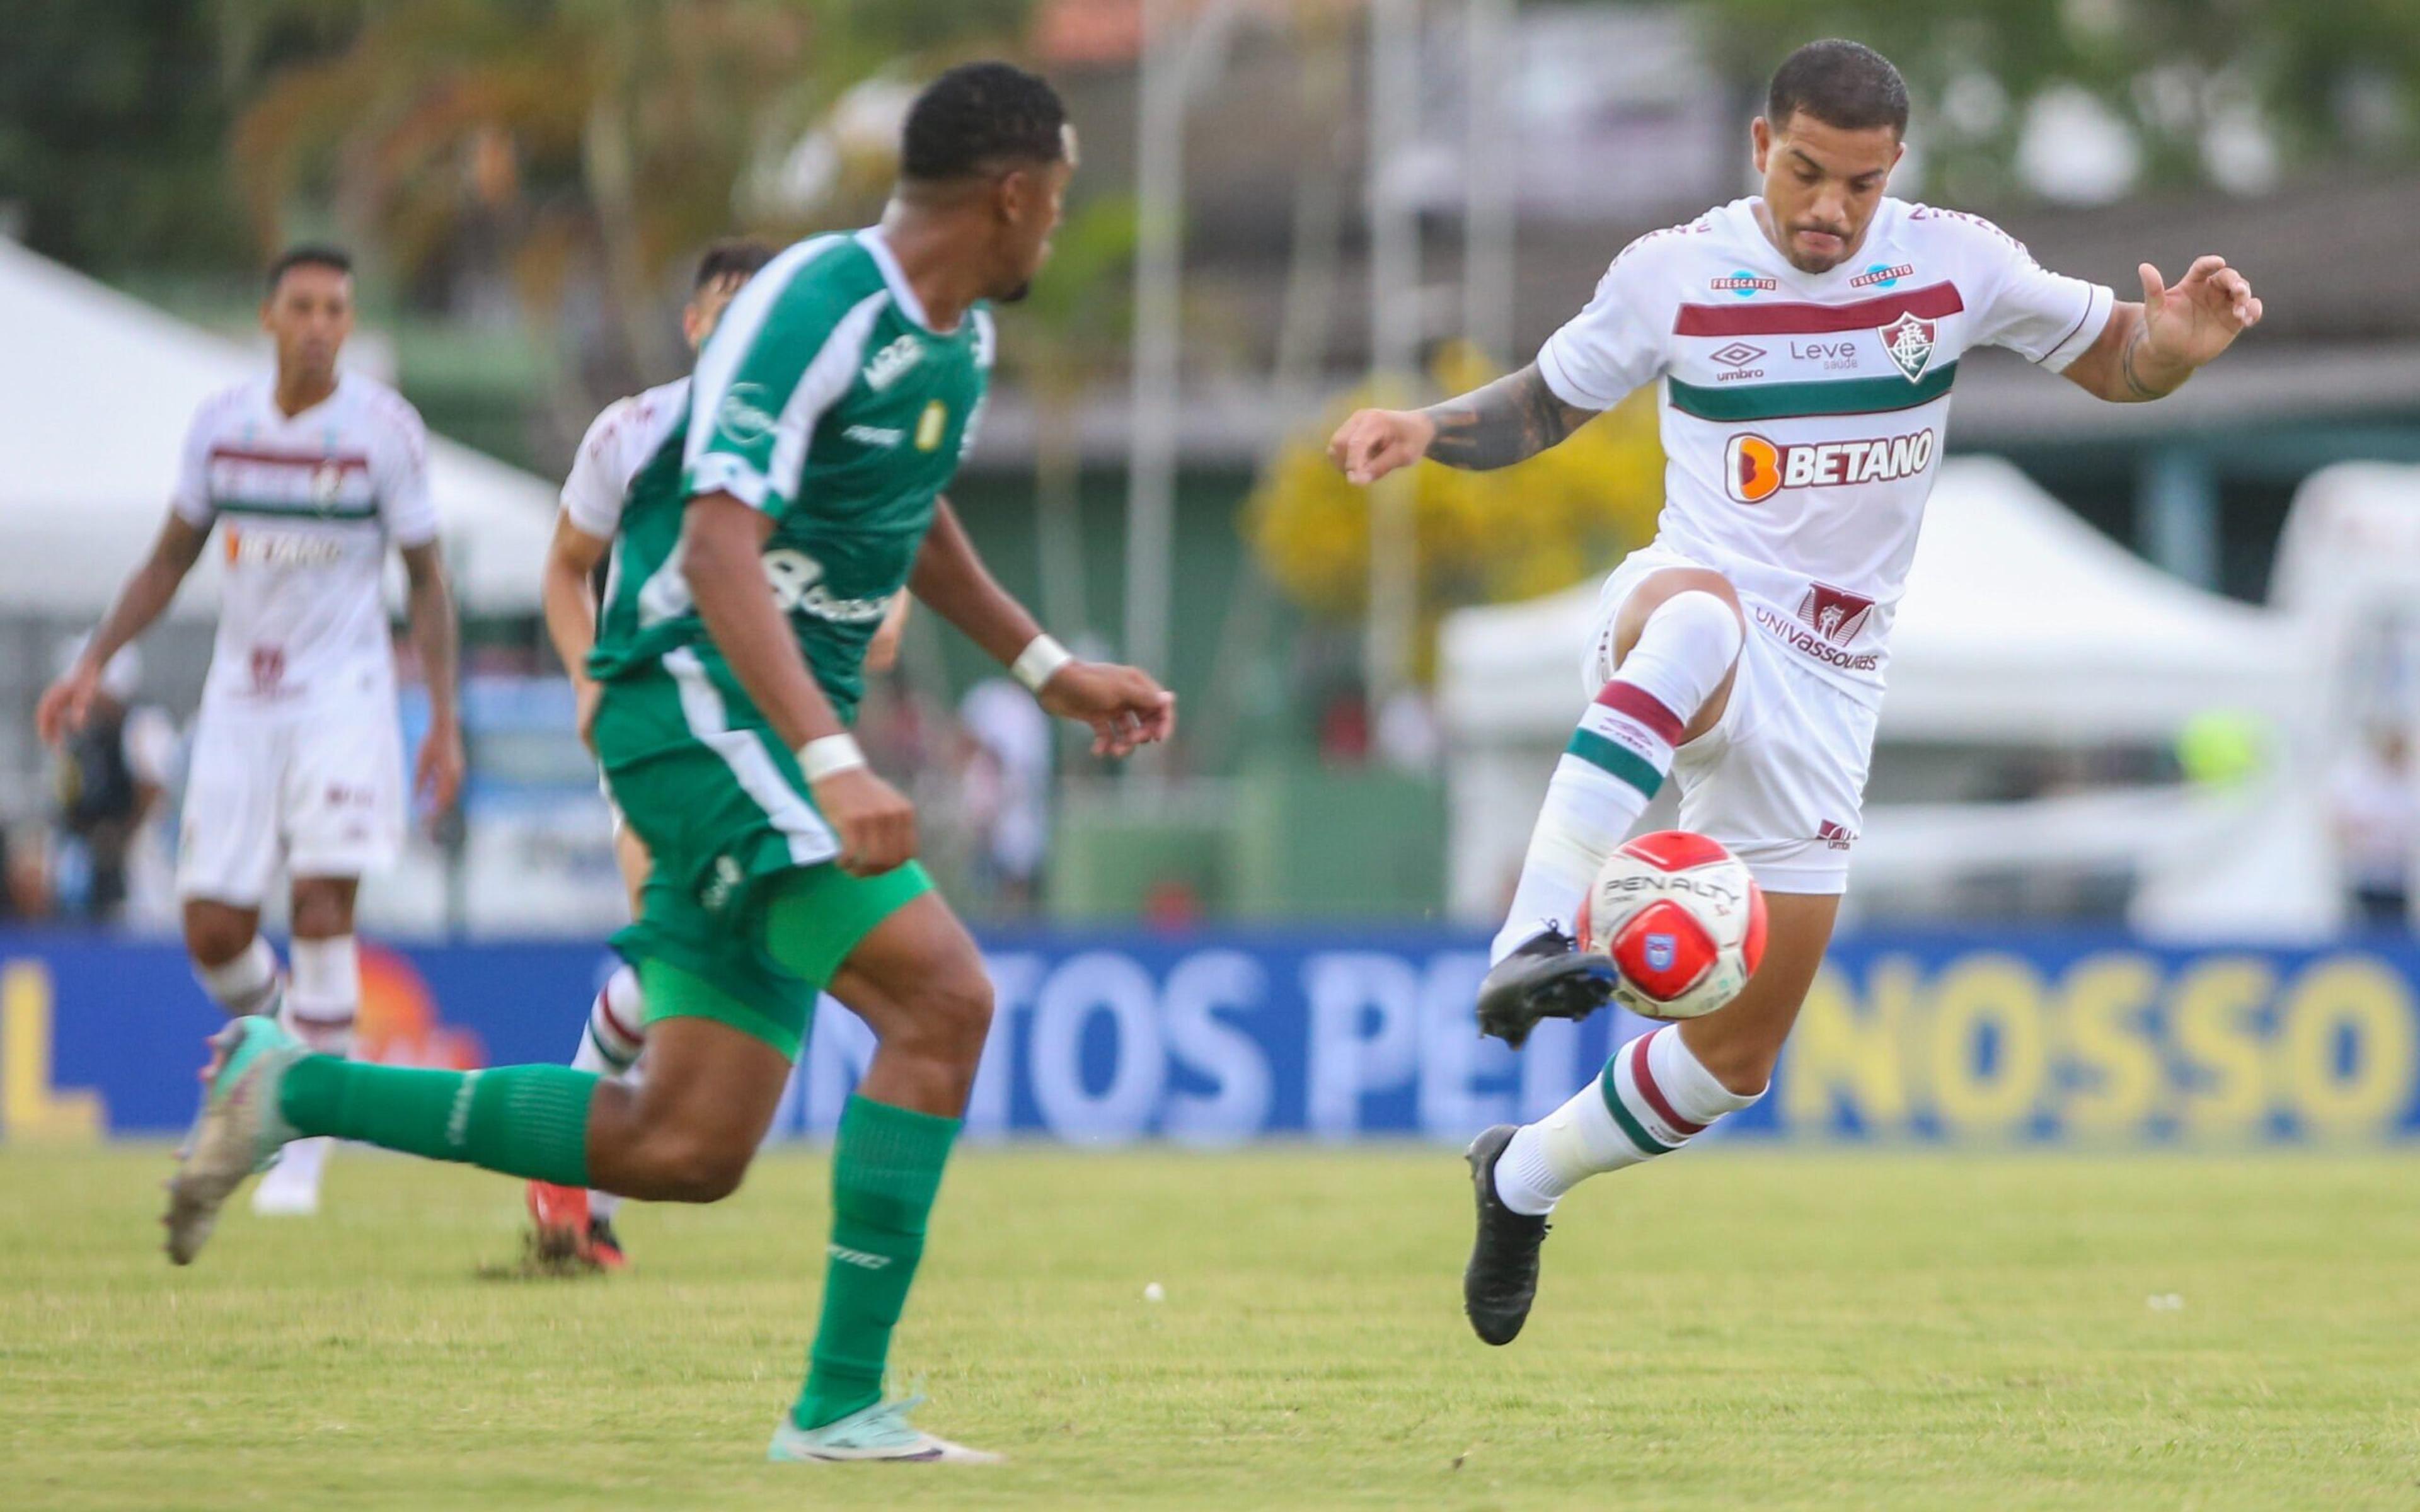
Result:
<point x="955" y="1012"/>
<point x="692" y="1167"/>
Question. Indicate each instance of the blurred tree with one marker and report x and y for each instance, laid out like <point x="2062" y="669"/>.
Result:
<point x="111" y="125"/>
<point x="1058" y="341"/>
<point x="1483" y="537"/>
<point x="2235" y="93"/>
<point x="566" y="144"/>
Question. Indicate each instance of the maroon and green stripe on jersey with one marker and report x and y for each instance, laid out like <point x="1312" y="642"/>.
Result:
<point x="1788" y="400"/>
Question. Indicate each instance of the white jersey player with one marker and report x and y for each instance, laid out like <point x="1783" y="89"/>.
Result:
<point x="1807" y="340"/>
<point x="572" y="1224"/>
<point x="308" y="475"/>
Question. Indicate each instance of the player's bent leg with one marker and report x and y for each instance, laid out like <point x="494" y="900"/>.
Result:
<point x="689" y="1133"/>
<point x="918" y="982"/>
<point x="1655" y="1094"/>
<point x="572" y="1227"/>
<point x="1739" y="1044"/>
<point x="233" y="963"/>
<point x="321" y="1002"/>
<point x="1666" y="677"/>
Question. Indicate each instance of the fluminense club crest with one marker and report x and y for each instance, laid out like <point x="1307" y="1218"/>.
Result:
<point x="1834" y="615"/>
<point x="1908" y="342"/>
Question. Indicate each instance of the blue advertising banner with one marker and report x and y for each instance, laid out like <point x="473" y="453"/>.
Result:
<point x="1227" y="1036"/>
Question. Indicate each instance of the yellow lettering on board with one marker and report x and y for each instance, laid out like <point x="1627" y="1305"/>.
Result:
<point x="1841" y="1057"/>
<point x="30" y="1108"/>
<point x="2106" y="997"/>
<point x="2005" y="995"/>
<point x="2210" y="1016"/>
<point x="2336" y="996"/>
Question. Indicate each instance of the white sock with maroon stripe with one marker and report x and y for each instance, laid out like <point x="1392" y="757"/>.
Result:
<point x="1616" y="759"/>
<point x="610" y="1045"/>
<point x="1654" y="1097"/>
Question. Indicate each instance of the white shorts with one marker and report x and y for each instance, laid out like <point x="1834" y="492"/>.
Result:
<point x="318" y="786"/>
<point x="1781" y="779"/>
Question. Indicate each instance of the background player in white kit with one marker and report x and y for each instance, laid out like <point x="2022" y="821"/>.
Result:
<point x="308" y="475"/>
<point x="1807" y="339"/>
<point x="571" y="1223"/>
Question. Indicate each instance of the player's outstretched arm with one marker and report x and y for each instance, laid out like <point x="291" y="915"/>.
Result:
<point x="571" y="609"/>
<point x="147" y="592"/>
<point x="438" y="776"/>
<point x="1508" y="421"/>
<point x="722" y="556"/>
<point x="1125" y="705"/>
<point x="2148" y="351"/>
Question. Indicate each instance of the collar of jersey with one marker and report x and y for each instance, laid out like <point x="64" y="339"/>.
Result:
<point x="903" y="293"/>
<point x="1878" y="233"/>
<point x="269" y="400"/>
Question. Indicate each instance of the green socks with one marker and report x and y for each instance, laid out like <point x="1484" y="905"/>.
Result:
<point x="886" y="1170"/>
<point x="523" y="1120"/>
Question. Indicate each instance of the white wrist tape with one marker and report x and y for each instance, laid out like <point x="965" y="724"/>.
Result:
<point x="1041" y="658"/>
<point x="820" y="759"/>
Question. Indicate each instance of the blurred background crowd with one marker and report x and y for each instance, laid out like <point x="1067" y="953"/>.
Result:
<point x="2157" y="663"/>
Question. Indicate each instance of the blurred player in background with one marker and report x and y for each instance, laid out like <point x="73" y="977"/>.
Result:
<point x="309" y="474"/>
<point x="112" y="776"/>
<point x="572" y="1223"/>
<point x="827" y="413"/>
<point x="1806" y="338"/>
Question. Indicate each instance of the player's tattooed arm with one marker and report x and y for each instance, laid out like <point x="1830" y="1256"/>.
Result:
<point x="1508" y="421"/>
<point x="2148" y="351"/>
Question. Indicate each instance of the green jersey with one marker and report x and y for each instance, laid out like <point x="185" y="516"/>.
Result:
<point x="825" y="400"/>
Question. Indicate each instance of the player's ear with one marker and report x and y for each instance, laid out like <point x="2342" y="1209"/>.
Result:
<point x="1759" y="136"/>
<point x="1014" y="197"/>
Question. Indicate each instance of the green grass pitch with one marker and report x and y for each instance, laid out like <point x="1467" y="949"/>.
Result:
<point x="1728" y="1329"/>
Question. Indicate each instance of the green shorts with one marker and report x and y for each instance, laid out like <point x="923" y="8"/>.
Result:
<point x="743" y="896"/>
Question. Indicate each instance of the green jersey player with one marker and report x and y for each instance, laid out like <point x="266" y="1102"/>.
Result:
<point x="828" y="410"/>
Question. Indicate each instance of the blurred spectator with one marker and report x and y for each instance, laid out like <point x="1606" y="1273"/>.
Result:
<point x="1408" y="737"/>
<point x="111" y="776"/>
<point x="1005" y="783"/>
<point x="2377" y="818"/>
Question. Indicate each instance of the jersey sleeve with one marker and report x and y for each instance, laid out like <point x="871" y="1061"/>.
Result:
<point x="402" y="480"/>
<point x="191" y="500"/>
<point x="592" y="495"/>
<point x="1618" y="342"/>
<point x="785" y="354"/>
<point x="2044" y="317"/>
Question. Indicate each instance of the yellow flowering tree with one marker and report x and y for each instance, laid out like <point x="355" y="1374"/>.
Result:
<point x="1480" y="538"/>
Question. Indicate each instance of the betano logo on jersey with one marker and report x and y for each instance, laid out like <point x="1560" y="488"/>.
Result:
<point x="1755" y="467"/>
<point x="275" y="548"/>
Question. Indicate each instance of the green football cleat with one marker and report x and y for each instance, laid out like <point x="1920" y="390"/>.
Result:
<point x="236" y="1133"/>
<point x="880" y="1432"/>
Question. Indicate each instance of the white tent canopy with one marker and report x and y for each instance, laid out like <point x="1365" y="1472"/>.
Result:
<point x="96" y="392"/>
<point x="2021" y="623"/>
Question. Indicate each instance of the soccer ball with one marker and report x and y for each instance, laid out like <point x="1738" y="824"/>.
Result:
<point x="1682" y="917"/>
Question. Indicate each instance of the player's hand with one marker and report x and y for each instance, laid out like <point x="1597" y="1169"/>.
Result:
<point x="882" y="652"/>
<point x="586" y="696"/>
<point x="1125" y="706"/>
<point x="437" y="777"/>
<point x="67" y="703"/>
<point x="2187" y="325"/>
<point x="876" y="823"/>
<point x="1374" y="443"/>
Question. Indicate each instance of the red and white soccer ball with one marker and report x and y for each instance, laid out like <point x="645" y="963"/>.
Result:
<point x="1682" y="917"/>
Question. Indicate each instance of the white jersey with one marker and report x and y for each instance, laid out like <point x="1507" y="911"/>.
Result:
<point x="305" y="507"/>
<point x="1804" y="415"/>
<point x="619" y="441"/>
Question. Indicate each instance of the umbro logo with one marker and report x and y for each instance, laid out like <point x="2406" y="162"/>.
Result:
<point x="1737" y="354"/>
<point x="1837" y="836"/>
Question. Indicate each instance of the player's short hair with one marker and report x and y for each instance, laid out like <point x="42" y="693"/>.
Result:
<point x="1842" y="84"/>
<point x="308" y="254"/>
<point x="742" y="257"/>
<point x="979" y="114"/>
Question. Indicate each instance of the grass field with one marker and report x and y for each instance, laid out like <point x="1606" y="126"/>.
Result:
<point x="1722" y="1330"/>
